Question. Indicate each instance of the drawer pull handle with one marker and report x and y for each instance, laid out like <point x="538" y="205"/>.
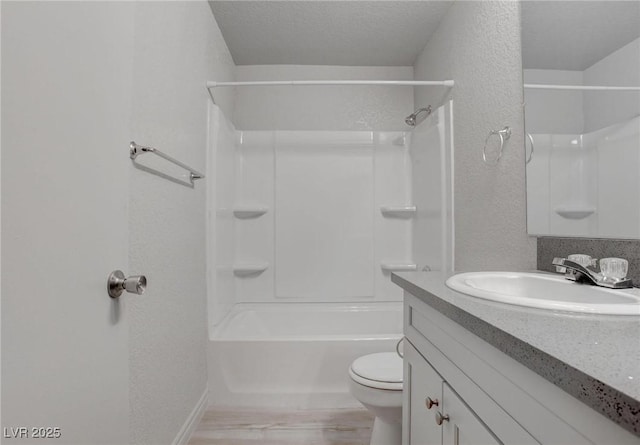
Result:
<point x="431" y="403"/>
<point x="440" y="419"/>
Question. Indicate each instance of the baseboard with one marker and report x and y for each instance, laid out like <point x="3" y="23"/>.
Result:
<point x="192" y="421"/>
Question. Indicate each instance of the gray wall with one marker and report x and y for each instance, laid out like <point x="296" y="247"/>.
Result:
<point x="89" y="77"/>
<point x="620" y="68"/>
<point x="478" y="45"/>
<point x="322" y="107"/>
<point x="554" y="111"/>
<point x="178" y="47"/>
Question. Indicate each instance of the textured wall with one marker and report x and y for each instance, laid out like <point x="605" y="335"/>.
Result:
<point x="178" y="48"/>
<point x="568" y="112"/>
<point x="478" y="45"/>
<point x="620" y="68"/>
<point x="554" y="111"/>
<point x="322" y="107"/>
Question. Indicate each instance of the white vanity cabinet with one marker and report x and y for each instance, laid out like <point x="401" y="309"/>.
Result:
<point x="422" y="398"/>
<point x="435" y="414"/>
<point x="461" y="426"/>
<point x="483" y="395"/>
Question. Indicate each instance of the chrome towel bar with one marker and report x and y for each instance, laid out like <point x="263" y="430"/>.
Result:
<point x="135" y="150"/>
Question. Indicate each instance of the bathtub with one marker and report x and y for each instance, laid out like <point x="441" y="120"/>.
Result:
<point x="295" y="355"/>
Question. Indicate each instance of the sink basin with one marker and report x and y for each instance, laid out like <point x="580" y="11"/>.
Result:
<point x="546" y="292"/>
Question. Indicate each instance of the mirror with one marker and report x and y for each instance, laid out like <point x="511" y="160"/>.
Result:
<point x="581" y="69"/>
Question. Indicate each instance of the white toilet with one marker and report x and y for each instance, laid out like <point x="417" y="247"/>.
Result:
<point x="376" y="381"/>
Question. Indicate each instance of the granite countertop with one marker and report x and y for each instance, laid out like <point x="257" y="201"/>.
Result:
<point x="595" y="358"/>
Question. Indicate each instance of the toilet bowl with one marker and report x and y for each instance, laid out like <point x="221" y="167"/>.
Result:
<point x="376" y="382"/>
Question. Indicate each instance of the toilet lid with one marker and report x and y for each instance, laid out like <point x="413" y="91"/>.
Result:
<point x="383" y="367"/>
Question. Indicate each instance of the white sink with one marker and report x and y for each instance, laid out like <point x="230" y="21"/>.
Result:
<point x="546" y="292"/>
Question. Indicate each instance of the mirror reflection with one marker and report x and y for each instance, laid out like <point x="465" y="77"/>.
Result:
<point x="581" y="66"/>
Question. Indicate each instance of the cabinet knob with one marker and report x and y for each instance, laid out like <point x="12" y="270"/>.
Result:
<point x="440" y="419"/>
<point x="431" y="403"/>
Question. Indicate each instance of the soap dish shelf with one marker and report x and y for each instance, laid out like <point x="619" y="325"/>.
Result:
<point x="575" y="212"/>
<point x="248" y="269"/>
<point x="399" y="211"/>
<point x="247" y="212"/>
<point x="398" y="267"/>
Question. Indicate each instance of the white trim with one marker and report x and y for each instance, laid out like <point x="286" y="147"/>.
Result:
<point x="190" y="425"/>
<point x="447" y="198"/>
<point x="539" y="86"/>
<point x="446" y="83"/>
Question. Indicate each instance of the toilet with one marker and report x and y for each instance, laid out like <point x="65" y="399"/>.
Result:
<point x="376" y="382"/>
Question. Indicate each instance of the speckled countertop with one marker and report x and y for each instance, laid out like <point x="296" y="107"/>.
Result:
<point x="595" y="358"/>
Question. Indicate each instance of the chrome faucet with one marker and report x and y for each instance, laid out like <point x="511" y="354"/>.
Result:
<point x="580" y="274"/>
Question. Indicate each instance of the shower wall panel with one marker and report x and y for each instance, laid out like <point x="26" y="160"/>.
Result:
<point x="392" y="183"/>
<point x="323" y="236"/>
<point x="427" y="185"/>
<point x="220" y="221"/>
<point x="618" y="151"/>
<point x="593" y="172"/>
<point x="324" y="233"/>
<point x="254" y="164"/>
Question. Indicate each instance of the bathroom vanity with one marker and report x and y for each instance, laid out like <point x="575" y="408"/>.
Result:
<point x="483" y="372"/>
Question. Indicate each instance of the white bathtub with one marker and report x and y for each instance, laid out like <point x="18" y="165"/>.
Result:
<point x="295" y="355"/>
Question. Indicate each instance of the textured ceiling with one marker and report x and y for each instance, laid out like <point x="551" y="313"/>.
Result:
<point x="569" y="35"/>
<point x="573" y="35"/>
<point x="356" y="33"/>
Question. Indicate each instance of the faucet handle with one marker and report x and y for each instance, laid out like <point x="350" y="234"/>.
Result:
<point x="558" y="262"/>
<point x="579" y="273"/>
<point x="614" y="268"/>
<point x="582" y="259"/>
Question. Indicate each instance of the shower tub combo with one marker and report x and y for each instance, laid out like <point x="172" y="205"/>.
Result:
<point x="296" y="354"/>
<point x="304" y="229"/>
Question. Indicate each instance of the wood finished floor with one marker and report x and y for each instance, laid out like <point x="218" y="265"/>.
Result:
<point x="283" y="427"/>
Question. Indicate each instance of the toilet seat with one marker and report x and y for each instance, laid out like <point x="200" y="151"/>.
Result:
<point x="382" y="370"/>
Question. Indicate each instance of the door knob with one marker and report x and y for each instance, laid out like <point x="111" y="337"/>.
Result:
<point x="117" y="283"/>
<point x="431" y="403"/>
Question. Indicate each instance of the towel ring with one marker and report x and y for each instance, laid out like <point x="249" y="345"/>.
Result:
<point x="525" y="148"/>
<point x="401" y="354"/>
<point x="504" y="136"/>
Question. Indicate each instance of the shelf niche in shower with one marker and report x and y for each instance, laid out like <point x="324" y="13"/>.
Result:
<point x="575" y="212"/>
<point x="398" y="267"/>
<point x="249" y="269"/>
<point x="249" y="212"/>
<point x="399" y="211"/>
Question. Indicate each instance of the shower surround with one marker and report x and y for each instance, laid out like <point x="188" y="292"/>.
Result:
<point x="305" y="228"/>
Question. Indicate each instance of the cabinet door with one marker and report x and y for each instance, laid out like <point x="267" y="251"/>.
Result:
<point x="460" y="425"/>
<point x="422" y="383"/>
